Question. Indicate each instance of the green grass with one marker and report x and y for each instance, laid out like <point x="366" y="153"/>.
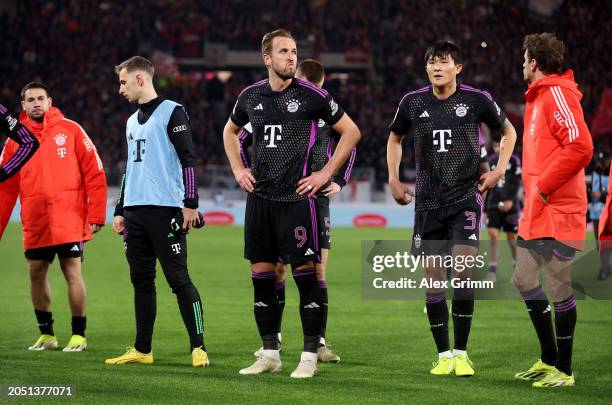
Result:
<point x="386" y="347"/>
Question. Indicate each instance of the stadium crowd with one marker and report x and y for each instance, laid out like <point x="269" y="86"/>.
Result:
<point x="73" y="46"/>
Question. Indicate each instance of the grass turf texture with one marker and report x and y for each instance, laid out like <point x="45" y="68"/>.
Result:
<point x="386" y="346"/>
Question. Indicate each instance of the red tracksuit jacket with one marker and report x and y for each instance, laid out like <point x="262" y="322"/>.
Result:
<point x="557" y="146"/>
<point x="62" y="188"/>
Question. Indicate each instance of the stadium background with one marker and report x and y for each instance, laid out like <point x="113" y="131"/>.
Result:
<point x="205" y="53"/>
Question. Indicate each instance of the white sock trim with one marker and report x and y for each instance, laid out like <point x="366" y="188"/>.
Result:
<point x="273" y="354"/>
<point x="447" y="354"/>
<point x="308" y="356"/>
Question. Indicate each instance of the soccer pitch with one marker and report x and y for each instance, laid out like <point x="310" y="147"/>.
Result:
<point x="386" y="346"/>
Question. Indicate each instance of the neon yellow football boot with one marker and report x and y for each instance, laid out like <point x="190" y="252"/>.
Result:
<point x="536" y="372"/>
<point x="131" y="356"/>
<point x="555" y="378"/>
<point x="44" y="342"/>
<point x="77" y="343"/>
<point x="199" y="358"/>
<point x="443" y="366"/>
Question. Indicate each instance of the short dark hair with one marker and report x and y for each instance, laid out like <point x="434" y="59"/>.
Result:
<point x="443" y="48"/>
<point x="311" y="70"/>
<point x="266" y="41"/>
<point x="136" y="63"/>
<point x="34" y="85"/>
<point x="547" y="50"/>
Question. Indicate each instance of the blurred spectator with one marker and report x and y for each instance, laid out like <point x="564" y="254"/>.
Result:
<point x="73" y="46"/>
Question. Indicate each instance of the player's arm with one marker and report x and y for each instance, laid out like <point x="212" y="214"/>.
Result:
<point x="179" y="132"/>
<point x="349" y="137"/>
<point x="349" y="133"/>
<point x="28" y="144"/>
<point x="399" y="128"/>
<point x="492" y="115"/>
<point x="9" y="190"/>
<point x="571" y="131"/>
<point x="94" y="179"/>
<point x="118" y="225"/>
<point x="238" y="119"/>
<point x="400" y="191"/>
<point x="483" y="168"/>
<point x="344" y="174"/>
<point x="512" y="183"/>
<point x="245" y="137"/>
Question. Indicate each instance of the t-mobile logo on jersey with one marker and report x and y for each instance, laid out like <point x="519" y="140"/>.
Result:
<point x="442" y="138"/>
<point x="272" y="133"/>
<point x="176" y="248"/>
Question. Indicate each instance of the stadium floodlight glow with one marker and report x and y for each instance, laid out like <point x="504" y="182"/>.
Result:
<point x="223" y="75"/>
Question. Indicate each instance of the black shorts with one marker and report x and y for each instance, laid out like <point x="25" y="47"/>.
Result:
<point x="435" y="231"/>
<point x="154" y="233"/>
<point x="324" y="222"/>
<point x="547" y="248"/>
<point x="506" y="221"/>
<point x="63" y="251"/>
<point x="276" y="230"/>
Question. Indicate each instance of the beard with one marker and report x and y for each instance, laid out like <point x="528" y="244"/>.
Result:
<point x="285" y="74"/>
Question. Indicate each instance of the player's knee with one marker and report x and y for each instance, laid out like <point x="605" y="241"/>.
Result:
<point x="519" y="281"/>
<point x="281" y="271"/>
<point x="37" y="272"/>
<point x="74" y="277"/>
<point x="179" y="282"/>
<point x="142" y="281"/>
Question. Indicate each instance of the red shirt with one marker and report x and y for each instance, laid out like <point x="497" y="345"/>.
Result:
<point x="557" y="146"/>
<point x="62" y="188"/>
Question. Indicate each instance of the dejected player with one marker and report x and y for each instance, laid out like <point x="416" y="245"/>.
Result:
<point x="312" y="71"/>
<point x="281" y="216"/>
<point x="157" y="205"/>
<point x="445" y="118"/>
<point x="557" y="146"/>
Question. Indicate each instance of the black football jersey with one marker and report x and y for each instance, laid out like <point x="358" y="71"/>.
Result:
<point x="284" y="126"/>
<point x="446" y="141"/>
<point x="508" y="186"/>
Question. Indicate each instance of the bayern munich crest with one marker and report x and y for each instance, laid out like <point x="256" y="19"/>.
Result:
<point x="60" y="139"/>
<point x="293" y="105"/>
<point x="461" y="110"/>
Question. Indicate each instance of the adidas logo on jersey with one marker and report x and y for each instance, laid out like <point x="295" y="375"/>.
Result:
<point x="424" y="114"/>
<point x="473" y="237"/>
<point x="309" y="252"/>
<point x="260" y="304"/>
<point x="312" y="305"/>
<point x="547" y="309"/>
<point x="75" y="248"/>
<point x="259" y="107"/>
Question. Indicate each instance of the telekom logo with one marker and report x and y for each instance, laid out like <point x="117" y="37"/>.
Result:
<point x="272" y="133"/>
<point x="442" y="139"/>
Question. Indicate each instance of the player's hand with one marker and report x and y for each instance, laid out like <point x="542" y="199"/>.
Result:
<point x="95" y="228"/>
<point x="245" y="179"/>
<point x="311" y="184"/>
<point x="118" y="224"/>
<point x="333" y="188"/>
<point x="190" y="218"/>
<point x="489" y="180"/>
<point x="401" y="192"/>
<point x="507" y="206"/>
